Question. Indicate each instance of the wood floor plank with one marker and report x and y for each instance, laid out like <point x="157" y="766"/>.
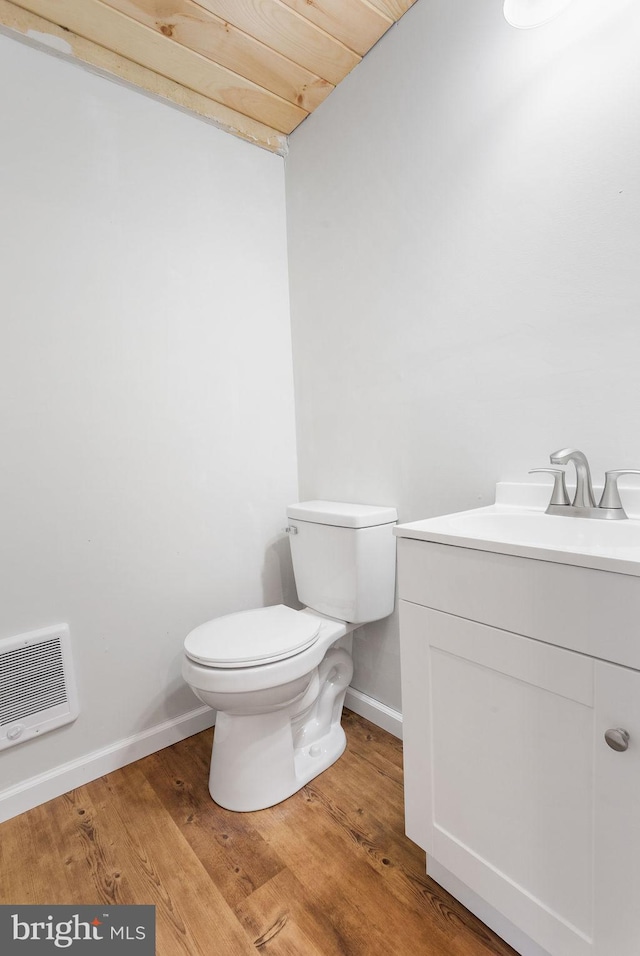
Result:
<point x="233" y="853"/>
<point x="30" y="857"/>
<point x="371" y="741"/>
<point x="167" y="873"/>
<point x="91" y="852"/>
<point x="281" y="918"/>
<point x="329" y="858"/>
<point x="328" y="872"/>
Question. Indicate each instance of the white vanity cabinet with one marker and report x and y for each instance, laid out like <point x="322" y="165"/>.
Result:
<point x="513" y="669"/>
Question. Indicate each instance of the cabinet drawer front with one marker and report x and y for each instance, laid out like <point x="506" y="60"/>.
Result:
<point x="594" y="612"/>
<point x="506" y="770"/>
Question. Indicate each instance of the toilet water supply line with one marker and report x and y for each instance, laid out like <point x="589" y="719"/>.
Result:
<point x="313" y="721"/>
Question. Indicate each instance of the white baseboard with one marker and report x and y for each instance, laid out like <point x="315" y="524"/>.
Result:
<point x="36" y="790"/>
<point x="373" y="710"/>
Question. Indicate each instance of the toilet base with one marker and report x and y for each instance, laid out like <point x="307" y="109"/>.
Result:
<point x="255" y="762"/>
<point x="260" y="777"/>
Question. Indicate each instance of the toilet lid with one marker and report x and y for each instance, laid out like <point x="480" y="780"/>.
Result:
<point x="252" y="637"/>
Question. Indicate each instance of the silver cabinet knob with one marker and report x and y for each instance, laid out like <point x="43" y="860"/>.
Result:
<point x="617" y="739"/>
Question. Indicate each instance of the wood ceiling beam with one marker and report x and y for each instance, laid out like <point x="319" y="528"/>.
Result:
<point x="21" y="23"/>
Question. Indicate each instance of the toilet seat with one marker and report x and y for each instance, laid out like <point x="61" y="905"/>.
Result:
<point x="250" y="638"/>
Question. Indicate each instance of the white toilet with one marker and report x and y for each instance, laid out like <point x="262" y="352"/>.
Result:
<point x="274" y="675"/>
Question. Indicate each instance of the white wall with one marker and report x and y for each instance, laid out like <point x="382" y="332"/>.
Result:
<point x="464" y="254"/>
<point x="146" y="393"/>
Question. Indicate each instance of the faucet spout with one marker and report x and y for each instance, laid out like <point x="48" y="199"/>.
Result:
<point x="584" y="489"/>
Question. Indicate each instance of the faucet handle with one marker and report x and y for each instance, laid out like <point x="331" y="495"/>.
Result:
<point x="559" y="495"/>
<point x="611" y="495"/>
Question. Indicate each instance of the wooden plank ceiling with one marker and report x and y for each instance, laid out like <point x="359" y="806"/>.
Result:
<point x="254" y="67"/>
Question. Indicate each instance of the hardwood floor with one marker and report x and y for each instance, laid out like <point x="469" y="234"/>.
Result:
<point x="328" y="872"/>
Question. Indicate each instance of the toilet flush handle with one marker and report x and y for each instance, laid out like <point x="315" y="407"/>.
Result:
<point x="291" y="529"/>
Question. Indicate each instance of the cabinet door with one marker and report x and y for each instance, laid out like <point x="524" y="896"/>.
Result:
<point x="499" y="771"/>
<point x="617" y="814"/>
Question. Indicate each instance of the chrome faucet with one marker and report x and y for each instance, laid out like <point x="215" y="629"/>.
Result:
<point x="584" y="503"/>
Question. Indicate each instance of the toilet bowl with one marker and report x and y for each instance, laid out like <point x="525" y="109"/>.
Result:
<point x="278" y="722"/>
<point x="275" y="675"/>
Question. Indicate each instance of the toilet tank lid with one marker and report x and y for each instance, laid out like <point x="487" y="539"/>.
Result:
<point x="342" y="514"/>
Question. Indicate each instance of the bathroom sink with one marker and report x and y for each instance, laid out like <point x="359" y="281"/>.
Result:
<point x="529" y="532"/>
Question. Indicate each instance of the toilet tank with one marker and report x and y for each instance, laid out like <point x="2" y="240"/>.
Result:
<point x="344" y="558"/>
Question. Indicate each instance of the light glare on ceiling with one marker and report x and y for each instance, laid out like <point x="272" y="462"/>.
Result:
<point x="532" y="13"/>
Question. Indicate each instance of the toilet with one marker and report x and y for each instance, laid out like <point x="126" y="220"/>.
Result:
<point x="277" y="677"/>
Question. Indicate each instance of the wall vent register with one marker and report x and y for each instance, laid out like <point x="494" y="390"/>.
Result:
<point x="37" y="684"/>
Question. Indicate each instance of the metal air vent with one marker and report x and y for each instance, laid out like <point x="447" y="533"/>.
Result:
<point x="37" y="686"/>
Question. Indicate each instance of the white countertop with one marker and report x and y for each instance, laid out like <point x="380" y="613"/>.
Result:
<point x="516" y="524"/>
